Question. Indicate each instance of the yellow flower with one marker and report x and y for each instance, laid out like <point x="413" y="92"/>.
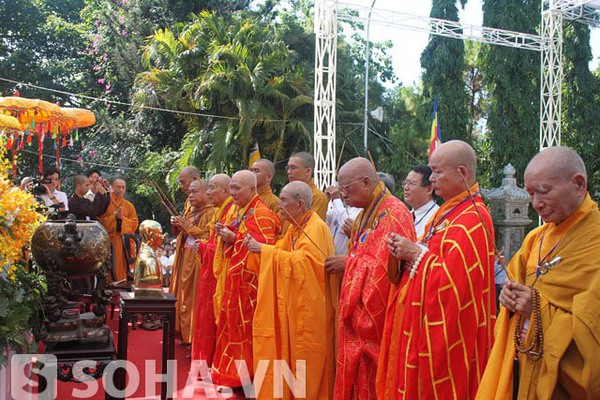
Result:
<point x="18" y="215"/>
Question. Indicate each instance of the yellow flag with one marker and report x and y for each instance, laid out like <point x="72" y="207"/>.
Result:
<point x="254" y="155"/>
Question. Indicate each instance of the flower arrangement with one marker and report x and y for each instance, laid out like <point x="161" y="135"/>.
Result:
<point x="20" y="290"/>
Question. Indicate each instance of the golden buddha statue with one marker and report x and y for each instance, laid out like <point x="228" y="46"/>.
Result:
<point x="147" y="273"/>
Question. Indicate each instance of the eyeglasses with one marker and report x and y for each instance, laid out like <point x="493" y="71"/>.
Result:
<point x="410" y="183"/>
<point x="344" y="188"/>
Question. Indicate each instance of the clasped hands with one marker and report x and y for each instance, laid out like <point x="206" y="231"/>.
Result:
<point x="252" y="244"/>
<point x="517" y="298"/>
<point x="226" y="234"/>
<point x="403" y="248"/>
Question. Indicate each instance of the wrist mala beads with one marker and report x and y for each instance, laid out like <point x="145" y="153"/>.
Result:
<point x="415" y="265"/>
<point x="535" y="350"/>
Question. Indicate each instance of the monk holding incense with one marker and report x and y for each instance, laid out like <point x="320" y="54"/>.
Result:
<point x="439" y="327"/>
<point x="294" y="319"/>
<point x="238" y="269"/>
<point x="184" y="256"/>
<point x="193" y="226"/>
<point x="365" y="286"/>
<point x="203" y="343"/>
<point x="550" y="307"/>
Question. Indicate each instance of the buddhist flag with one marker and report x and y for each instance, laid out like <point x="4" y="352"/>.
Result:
<point x="254" y="155"/>
<point x="436" y="134"/>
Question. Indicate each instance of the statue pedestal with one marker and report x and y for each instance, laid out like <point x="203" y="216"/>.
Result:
<point x="131" y="308"/>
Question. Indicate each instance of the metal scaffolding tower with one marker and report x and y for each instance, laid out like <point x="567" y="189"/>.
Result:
<point x="325" y="91"/>
<point x="549" y="43"/>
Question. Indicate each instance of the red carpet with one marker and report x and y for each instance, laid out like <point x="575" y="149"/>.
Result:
<point x="146" y="347"/>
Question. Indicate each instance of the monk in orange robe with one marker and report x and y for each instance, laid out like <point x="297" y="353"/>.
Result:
<point x="440" y="318"/>
<point x="301" y="167"/>
<point x="365" y="287"/>
<point x="120" y="217"/>
<point x="203" y="343"/>
<point x="237" y="301"/>
<point x="193" y="226"/>
<point x="265" y="171"/>
<point x="293" y="318"/>
<point x="560" y="261"/>
<point x="184" y="256"/>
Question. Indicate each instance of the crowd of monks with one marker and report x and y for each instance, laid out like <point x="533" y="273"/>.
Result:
<point x="391" y="313"/>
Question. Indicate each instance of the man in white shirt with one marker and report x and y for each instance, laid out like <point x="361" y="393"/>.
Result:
<point x="418" y="192"/>
<point x="54" y="197"/>
<point x="337" y="214"/>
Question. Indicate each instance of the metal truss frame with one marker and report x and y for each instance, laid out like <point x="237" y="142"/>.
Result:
<point x="325" y="92"/>
<point x="549" y="43"/>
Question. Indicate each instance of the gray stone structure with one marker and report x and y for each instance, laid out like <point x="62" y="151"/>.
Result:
<point x="509" y="205"/>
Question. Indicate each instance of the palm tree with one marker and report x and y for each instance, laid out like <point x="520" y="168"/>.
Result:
<point x="238" y="72"/>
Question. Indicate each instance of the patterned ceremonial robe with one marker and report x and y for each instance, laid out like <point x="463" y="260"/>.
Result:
<point x="238" y="300"/>
<point x="570" y="308"/>
<point x="447" y="310"/>
<point x="294" y="319"/>
<point x="129" y="224"/>
<point x="184" y="279"/>
<point x="364" y="293"/>
<point x="203" y="343"/>
<point x="268" y="197"/>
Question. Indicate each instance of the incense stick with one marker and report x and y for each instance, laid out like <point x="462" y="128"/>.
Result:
<point x="487" y="232"/>
<point x="302" y="230"/>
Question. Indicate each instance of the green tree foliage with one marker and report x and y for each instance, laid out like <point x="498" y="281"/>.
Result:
<point x="512" y="80"/>
<point x="580" y="101"/>
<point x="239" y="73"/>
<point x="444" y="78"/>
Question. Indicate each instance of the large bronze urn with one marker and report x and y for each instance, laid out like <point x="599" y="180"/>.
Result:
<point x="81" y="248"/>
<point x="66" y="251"/>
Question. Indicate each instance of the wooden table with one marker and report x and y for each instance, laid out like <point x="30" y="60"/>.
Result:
<point x="130" y="309"/>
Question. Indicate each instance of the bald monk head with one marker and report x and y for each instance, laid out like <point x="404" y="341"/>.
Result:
<point x="300" y="167"/>
<point x="218" y="189"/>
<point x="197" y="193"/>
<point x="242" y="187"/>
<point x="186" y="176"/>
<point x="556" y="181"/>
<point x="356" y="180"/>
<point x="264" y="171"/>
<point x="119" y="187"/>
<point x="448" y="163"/>
<point x="296" y="199"/>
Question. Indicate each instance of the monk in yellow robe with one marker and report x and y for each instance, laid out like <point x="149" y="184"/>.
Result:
<point x="237" y="301"/>
<point x="184" y="280"/>
<point x="301" y="167"/>
<point x="203" y="343"/>
<point x="558" y="265"/>
<point x="293" y="317"/>
<point x="265" y="171"/>
<point x="439" y="326"/>
<point x="184" y="256"/>
<point x="120" y="217"/>
<point x="365" y="286"/>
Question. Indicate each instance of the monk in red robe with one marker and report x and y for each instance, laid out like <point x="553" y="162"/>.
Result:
<point x="203" y="343"/>
<point x="238" y="299"/>
<point x="440" y="322"/>
<point x="365" y="286"/>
